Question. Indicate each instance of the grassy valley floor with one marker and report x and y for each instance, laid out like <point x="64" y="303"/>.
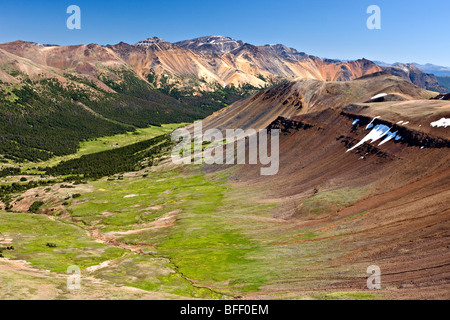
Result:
<point x="171" y="232"/>
<point x="166" y="232"/>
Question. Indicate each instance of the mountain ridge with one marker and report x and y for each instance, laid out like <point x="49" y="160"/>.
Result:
<point x="195" y="64"/>
<point x="202" y="63"/>
<point x="416" y="76"/>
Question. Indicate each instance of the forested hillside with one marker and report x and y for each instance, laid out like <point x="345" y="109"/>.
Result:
<point x="48" y="116"/>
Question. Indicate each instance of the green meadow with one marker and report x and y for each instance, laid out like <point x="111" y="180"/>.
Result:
<point x="32" y="235"/>
<point x="177" y="230"/>
<point x="201" y="245"/>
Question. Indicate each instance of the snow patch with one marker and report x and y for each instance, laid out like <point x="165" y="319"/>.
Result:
<point x="377" y="133"/>
<point x="379" y="96"/>
<point x="441" y="123"/>
<point x="390" y="136"/>
<point x="355" y="122"/>
<point x="370" y="125"/>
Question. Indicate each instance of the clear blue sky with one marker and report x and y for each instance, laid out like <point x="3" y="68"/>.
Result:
<point x="412" y="31"/>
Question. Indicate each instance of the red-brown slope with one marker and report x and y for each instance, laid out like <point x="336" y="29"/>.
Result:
<point x="296" y="98"/>
<point x="400" y="218"/>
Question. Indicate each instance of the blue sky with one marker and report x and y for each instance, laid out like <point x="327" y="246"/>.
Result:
<point x="411" y="31"/>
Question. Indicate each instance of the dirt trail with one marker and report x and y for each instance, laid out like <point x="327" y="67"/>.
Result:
<point x="167" y="220"/>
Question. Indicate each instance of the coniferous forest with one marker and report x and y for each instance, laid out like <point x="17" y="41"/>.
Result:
<point x="44" y="117"/>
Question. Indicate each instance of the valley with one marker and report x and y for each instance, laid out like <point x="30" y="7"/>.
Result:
<point x="153" y="229"/>
<point x="87" y="178"/>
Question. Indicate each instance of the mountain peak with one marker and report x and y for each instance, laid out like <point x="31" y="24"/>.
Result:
<point x="150" y="41"/>
<point x="217" y="45"/>
<point x="282" y="50"/>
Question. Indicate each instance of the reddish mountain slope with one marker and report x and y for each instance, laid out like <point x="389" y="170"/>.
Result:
<point x="384" y="204"/>
<point x="194" y="64"/>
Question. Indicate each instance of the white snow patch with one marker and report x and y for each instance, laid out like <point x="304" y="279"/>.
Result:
<point x="377" y="133"/>
<point x="390" y="136"/>
<point x="370" y="124"/>
<point x="441" y="123"/>
<point x="379" y="96"/>
<point x="355" y="122"/>
<point x="400" y="122"/>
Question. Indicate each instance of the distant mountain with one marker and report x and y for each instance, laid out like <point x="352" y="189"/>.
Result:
<point x="282" y="50"/>
<point x="151" y="41"/>
<point x="384" y="64"/>
<point x="191" y="65"/>
<point x="427" y="68"/>
<point x="413" y="74"/>
<point x="53" y="97"/>
<point x="434" y="69"/>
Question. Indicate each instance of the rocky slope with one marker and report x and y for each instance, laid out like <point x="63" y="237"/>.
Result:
<point x="364" y="176"/>
<point x="308" y="96"/>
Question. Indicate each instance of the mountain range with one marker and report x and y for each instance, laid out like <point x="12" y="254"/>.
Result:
<point x="415" y="75"/>
<point x="437" y="70"/>
<point x="93" y="90"/>
<point x="194" y="64"/>
<point x="436" y="77"/>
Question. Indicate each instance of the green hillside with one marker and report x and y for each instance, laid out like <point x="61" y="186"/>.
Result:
<point x="45" y="117"/>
